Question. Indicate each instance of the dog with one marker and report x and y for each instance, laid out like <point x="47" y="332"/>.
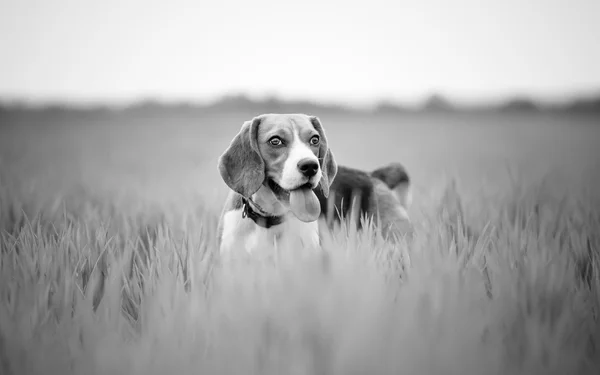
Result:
<point x="281" y="171"/>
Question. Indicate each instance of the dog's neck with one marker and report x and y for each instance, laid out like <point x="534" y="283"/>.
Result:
<point x="263" y="208"/>
<point x="253" y="211"/>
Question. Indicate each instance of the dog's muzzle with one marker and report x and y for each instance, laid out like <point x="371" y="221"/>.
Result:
<point x="283" y="194"/>
<point x="302" y="200"/>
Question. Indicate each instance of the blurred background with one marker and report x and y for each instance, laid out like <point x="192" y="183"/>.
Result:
<point x="138" y="99"/>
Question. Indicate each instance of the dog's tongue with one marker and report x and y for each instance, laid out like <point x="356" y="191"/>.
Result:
<point x="305" y="204"/>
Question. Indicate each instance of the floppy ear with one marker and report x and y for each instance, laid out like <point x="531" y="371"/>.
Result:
<point x="326" y="159"/>
<point x="241" y="165"/>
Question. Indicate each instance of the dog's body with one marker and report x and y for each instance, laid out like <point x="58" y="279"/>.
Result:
<point x="382" y="195"/>
<point x="243" y="233"/>
<point x="281" y="173"/>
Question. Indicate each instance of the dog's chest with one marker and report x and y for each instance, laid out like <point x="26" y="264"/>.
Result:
<point x="244" y="234"/>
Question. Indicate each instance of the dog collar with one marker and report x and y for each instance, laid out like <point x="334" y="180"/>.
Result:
<point x="265" y="221"/>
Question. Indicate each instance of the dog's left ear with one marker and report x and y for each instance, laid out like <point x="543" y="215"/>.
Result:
<point x="326" y="159"/>
<point x="241" y="165"/>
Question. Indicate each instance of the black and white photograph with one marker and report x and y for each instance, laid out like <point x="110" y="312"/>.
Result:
<point x="299" y="188"/>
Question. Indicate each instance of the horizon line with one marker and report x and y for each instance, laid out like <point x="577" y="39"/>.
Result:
<point x="417" y="101"/>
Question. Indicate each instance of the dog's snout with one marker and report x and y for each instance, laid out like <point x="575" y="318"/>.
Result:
<point x="308" y="167"/>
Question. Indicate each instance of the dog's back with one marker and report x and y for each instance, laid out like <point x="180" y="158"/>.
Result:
<point x="349" y="184"/>
<point x="383" y="194"/>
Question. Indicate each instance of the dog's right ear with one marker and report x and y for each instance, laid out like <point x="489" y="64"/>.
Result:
<point x="326" y="158"/>
<point x="241" y="165"/>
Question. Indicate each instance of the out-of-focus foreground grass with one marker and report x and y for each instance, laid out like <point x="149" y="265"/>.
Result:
<point x="108" y="262"/>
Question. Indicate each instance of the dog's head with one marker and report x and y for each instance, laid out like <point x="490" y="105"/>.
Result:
<point x="286" y="154"/>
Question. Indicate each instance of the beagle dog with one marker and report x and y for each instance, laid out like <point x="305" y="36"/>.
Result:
<point x="281" y="172"/>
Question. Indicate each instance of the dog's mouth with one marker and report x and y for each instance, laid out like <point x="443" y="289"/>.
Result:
<point x="302" y="200"/>
<point x="283" y="194"/>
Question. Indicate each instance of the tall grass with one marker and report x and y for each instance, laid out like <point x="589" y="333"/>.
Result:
<point x="508" y="285"/>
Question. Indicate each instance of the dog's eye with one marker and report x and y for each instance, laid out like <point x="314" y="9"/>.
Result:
<point x="314" y="140"/>
<point x="275" y="141"/>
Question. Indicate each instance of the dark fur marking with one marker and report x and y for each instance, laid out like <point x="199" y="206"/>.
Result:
<point x="392" y="175"/>
<point x="347" y="183"/>
<point x="241" y="166"/>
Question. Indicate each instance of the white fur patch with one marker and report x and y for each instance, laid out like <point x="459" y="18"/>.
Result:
<point x="231" y="225"/>
<point x="243" y="234"/>
<point x="291" y="177"/>
<point x="404" y="194"/>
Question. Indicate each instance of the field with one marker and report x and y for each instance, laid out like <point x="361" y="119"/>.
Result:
<point x="108" y="261"/>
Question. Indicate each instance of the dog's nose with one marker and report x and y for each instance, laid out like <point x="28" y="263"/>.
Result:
<point x="308" y="167"/>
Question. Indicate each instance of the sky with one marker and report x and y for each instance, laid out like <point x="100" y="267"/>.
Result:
<point x="336" y="51"/>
